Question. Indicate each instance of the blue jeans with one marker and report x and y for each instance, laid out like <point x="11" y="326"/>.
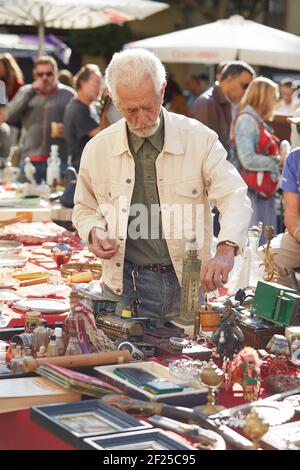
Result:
<point x="159" y="294"/>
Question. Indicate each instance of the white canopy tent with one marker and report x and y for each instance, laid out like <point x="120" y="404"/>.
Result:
<point x="74" y="14"/>
<point x="231" y="39"/>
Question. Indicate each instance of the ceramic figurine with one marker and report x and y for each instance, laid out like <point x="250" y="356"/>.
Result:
<point x="245" y="370"/>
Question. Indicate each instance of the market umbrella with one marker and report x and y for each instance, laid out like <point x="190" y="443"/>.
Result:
<point x="25" y="45"/>
<point x="74" y="14"/>
<point x="231" y="39"/>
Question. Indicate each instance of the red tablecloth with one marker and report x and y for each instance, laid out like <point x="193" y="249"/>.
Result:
<point x="19" y="432"/>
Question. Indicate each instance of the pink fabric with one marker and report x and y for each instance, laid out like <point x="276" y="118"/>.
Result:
<point x="34" y="233"/>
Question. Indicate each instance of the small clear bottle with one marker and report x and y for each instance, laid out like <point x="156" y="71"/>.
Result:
<point x="256" y="269"/>
<point x="60" y="344"/>
<point x="16" y="363"/>
<point x="73" y="347"/>
<point x="52" y="348"/>
<point x="40" y="336"/>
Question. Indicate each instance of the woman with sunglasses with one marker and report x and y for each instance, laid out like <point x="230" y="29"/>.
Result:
<point x="256" y="149"/>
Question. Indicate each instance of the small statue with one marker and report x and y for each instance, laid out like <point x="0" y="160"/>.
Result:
<point x="29" y="170"/>
<point x="229" y="337"/>
<point x="53" y="166"/>
<point x="245" y="370"/>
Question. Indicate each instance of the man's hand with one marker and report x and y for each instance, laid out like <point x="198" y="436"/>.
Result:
<point x="101" y="245"/>
<point x="38" y="86"/>
<point x="60" y="129"/>
<point x="215" y="272"/>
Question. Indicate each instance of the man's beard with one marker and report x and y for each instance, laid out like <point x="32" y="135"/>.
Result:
<point x="145" y="131"/>
<point x="50" y="86"/>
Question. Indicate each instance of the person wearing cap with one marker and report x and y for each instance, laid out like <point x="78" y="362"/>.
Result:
<point x="286" y="246"/>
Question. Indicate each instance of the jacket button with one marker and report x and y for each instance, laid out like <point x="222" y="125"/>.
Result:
<point x="121" y="238"/>
<point x="118" y="265"/>
<point x="194" y="191"/>
<point x="124" y="210"/>
<point x="128" y="181"/>
<point x="118" y="291"/>
<point x="109" y="194"/>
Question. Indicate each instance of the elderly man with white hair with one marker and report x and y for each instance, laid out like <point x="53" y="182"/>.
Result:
<point x="143" y="193"/>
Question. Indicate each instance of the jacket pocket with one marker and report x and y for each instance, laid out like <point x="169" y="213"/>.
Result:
<point x="191" y="188"/>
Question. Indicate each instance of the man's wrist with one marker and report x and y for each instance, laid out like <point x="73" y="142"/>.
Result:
<point x="229" y="244"/>
<point x="93" y="228"/>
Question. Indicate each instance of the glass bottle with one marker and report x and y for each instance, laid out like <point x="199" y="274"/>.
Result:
<point x="10" y="353"/>
<point x="52" y="349"/>
<point x="256" y="268"/>
<point x="16" y="363"/>
<point x="73" y="347"/>
<point x="60" y="344"/>
<point x="40" y="336"/>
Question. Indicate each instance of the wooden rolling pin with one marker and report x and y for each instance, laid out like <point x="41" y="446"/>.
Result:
<point x="80" y="360"/>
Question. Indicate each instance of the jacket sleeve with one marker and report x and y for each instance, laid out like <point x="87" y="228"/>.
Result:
<point x="18" y="105"/>
<point x="86" y="214"/>
<point x="226" y="187"/>
<point x="246" y="134"/>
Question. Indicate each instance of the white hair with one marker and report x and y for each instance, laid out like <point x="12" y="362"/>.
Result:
<point x="131" y="67"/>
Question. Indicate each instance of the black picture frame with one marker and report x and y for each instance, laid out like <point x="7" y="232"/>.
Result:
<point x="148" y="439"/>
<point x="73" y="422"/>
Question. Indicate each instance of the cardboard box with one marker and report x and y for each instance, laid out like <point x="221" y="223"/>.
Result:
<point x="190" y="396"/>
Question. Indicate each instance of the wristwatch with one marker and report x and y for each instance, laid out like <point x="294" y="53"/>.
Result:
<point x="232" y="244"/>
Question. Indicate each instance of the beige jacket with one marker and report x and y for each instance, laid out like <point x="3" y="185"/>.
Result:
<point x="191" y="170"/>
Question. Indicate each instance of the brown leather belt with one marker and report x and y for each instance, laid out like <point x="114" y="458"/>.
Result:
<point x="157" y="268"/>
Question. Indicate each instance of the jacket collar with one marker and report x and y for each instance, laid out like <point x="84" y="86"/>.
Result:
<point x="219" y="95"/>
<point x="172" y="143"/>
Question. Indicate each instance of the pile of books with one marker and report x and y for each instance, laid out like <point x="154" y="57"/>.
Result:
<point x="82" y="383"/>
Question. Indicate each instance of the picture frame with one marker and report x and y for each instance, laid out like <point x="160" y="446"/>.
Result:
<point x="74" y="422"/>
<point x="148" y="439"/>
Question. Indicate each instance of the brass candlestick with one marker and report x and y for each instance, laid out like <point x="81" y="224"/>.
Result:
<point x="212" y="377"/>
<point x="255" y="427"/>
<point x="272" y="271"/>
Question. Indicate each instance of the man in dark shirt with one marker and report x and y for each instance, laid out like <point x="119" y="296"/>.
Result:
<point x="81" y="119"/>
<point x="216" y="107"/>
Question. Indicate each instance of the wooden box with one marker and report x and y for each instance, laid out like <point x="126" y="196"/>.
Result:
<point x="190" y="396"/>
<point x="259" y="338"/>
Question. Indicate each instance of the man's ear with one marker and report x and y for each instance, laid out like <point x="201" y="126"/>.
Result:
<point x="162" y="91"/>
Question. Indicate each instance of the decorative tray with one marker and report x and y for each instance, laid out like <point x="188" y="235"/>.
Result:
<point x="10" y="247"/>
<point x="42" y="305"/>
<point x="13" y="261"/>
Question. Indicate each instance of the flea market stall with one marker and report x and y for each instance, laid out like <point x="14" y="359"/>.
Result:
<point x="75" y="374"/>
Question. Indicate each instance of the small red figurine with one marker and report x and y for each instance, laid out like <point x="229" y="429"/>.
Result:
<point x="245" y="370"/>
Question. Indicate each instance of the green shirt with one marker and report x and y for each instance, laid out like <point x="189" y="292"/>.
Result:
<point x="146" y="249"/>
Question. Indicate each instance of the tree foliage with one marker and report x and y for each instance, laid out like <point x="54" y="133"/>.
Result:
<point x="216" y="9"/>
<point x="101" y="41"/>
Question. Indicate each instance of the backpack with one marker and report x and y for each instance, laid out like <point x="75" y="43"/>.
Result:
<point x="268" y="144"/>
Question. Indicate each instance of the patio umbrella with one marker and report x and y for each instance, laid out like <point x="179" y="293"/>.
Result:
<point x="74" y="14"/>
<point x="21" y="45"/>
<point x="231" y="39"/>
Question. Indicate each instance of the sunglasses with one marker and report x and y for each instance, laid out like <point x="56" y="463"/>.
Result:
<point x="245" y="85"/>
<point x="47" y="74"/>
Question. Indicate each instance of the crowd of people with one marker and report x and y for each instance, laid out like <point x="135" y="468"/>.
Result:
<point x="233" y="115"/>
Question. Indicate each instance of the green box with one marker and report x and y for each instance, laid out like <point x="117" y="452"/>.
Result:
<point x="276" y="303"/>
